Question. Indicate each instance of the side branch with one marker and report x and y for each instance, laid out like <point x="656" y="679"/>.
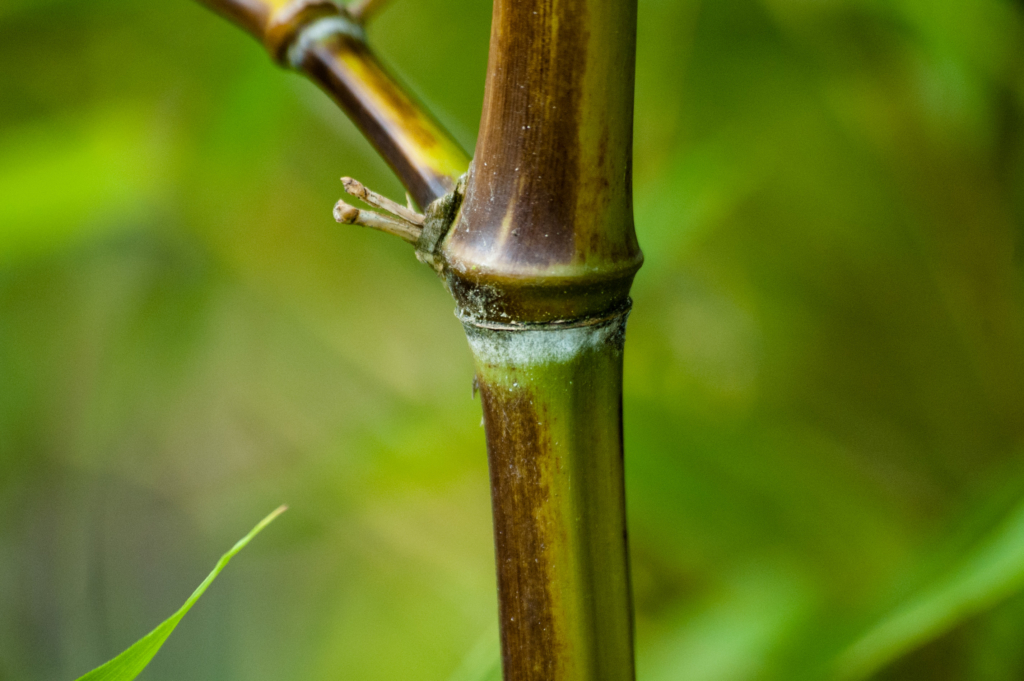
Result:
<point x="357" y="189"/>
<point x="321" y="40"/>
<point x="350" y="215"/>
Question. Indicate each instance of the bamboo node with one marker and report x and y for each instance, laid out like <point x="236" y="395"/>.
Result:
<point x="289" y="20"/>
<point x="319" y="30"/>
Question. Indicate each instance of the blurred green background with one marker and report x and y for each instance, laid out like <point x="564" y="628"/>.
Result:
<point x="824" y="375"/>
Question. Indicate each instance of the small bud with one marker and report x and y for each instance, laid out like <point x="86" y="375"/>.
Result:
<point x="345" y="214"/>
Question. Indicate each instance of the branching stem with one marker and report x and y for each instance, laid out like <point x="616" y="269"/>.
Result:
<point x="326" y="43"/>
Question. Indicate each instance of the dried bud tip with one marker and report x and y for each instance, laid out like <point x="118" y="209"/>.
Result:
<point x="345" y="213"/>
<point x="353" y="186"/>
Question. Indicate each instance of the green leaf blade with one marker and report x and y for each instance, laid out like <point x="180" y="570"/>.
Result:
<point x="132" y="661"/>
<point x="986" y="576"/>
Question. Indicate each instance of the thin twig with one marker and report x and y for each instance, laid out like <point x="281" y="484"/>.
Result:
<point x="350" y="215"/>
<point x="358" y="190"/>
<point x="363" y="10"/>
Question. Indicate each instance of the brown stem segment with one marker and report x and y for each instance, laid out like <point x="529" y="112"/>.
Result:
<point x="323" y="42"/>
<point x="546" y="230"/>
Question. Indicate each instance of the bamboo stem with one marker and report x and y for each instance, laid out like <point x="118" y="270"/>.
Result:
<point x="540" y="262"/>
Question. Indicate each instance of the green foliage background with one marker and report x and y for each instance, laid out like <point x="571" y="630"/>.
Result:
<point x="824" y="376"/>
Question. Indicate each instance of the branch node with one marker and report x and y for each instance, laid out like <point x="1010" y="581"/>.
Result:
<point x="425" y="232"/>
<point x="440" y="216"/>
<point x="318" y="31"/>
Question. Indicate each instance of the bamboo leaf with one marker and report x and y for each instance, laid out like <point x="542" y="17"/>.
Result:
<point x="988" y="575"/>
<point x="132" y="661"/>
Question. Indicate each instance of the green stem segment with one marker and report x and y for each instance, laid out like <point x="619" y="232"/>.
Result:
<point x="552" y="402"/>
